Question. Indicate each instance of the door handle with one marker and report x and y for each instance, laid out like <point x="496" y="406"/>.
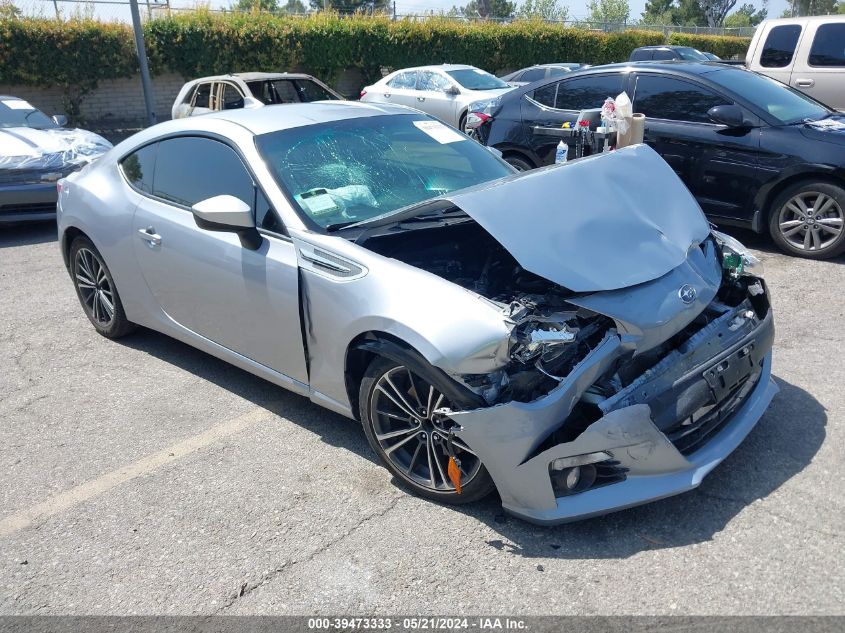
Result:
<point x="150" y="236"/>
<point x="805" y="83"/>
<point x="420" y="98"/>
<point x="387" y="95"/>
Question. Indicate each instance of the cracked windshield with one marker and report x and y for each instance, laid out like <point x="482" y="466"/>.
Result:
<point x="354" y="170"/>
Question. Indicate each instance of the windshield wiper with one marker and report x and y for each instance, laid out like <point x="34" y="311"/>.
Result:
<point x="331" y="228"/>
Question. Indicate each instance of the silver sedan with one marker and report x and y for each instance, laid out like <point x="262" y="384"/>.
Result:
<point x="575" y="337"/>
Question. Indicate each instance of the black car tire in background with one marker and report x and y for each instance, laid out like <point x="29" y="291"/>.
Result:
<point x="405" y="435"/>
<point x="93" y="282"/>
<point x="518" y="162"/>
<point x="807" y="219"/>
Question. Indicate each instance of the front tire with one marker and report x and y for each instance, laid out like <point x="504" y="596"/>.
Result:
<point x="96" y="290"/>
<point x="807" y="220"/>
<point x="399" y="411"/>
<point x="520" y="163"/>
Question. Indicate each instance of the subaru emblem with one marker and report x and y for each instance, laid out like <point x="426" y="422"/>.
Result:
<point x="687" y="294"/>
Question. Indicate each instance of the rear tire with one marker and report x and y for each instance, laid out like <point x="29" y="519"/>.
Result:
<point x="96" y="290"/>
<point x="807" y="219"/>
<point x="462" y="123"/>
<point x="520" y="163"/>
<point x="397" y="408"/>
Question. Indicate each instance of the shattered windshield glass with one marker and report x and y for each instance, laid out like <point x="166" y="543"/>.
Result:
<point x="349" y="171"/>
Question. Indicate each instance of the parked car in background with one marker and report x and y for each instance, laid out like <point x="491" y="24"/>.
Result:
<point x="539" y="71"/>
<point x="754" y="152"/>
<point x="711" y="56"/>
<point x="248" y="90"/>
<point x="35" y="151"/>
<point x="665" y="53"/>
<point x="806" y="53"/>
<point x="444" y="91"/>
<point x="579" y="353"/>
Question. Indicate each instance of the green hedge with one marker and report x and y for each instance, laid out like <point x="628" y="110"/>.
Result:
<point x="723" y="46"/>
<point x="77" y="54"/>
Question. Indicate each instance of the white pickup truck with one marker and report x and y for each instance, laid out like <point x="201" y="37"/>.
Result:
<point x="806" y="53"/>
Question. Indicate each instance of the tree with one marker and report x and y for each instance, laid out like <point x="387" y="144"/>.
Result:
<point x="684" y="13"/>
<point x="812" y="7"/>
<point x="543" y="9"/>
<point x="747" y="15"/>
<point x="609" y="11"/>
<point x="347" y="7"/>
<point x="8" y="10"/>
<point x="486" y="9"/>
<point x="294" y="6"/>
<point x="247" y="6"/>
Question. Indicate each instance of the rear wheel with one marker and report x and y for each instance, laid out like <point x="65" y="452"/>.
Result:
<point x="404" y="423"/>
<point x="96" y="290"/>
<point x="520" y="163"/>
<point x="462" y="123"/>
<point x="807" y="220"/>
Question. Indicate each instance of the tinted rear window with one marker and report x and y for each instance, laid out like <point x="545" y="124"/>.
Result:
<point x="584" y="93"/>
<point x="828" y="46"/>
<point x="780" y="46"/>
<point x="138" y="168"/>
<point x="641" y="54"/>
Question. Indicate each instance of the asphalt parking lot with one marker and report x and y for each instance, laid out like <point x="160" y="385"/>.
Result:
<point x="145" y="477"/>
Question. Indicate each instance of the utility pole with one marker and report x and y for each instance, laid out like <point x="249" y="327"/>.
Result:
<point x="56" y="7"/>
<point x="146" y="83"/>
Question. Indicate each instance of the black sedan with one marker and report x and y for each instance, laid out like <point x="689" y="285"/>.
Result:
<point x="754" y="152"/>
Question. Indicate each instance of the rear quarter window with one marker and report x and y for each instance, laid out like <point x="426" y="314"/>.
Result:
<point x="780" y="46"/>
<point x="828" y="46"/>
<point x="139" y="166"/>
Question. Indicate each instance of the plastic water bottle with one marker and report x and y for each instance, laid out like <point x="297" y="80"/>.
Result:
<point x="562" y="153"/>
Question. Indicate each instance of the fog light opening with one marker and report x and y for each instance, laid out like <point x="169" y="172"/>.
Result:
<point x="576" y="479"/>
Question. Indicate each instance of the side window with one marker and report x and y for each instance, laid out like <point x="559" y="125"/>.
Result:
<point x="432" y="82"/>
<point x="546" y="95"/>
<point x="404" y="80"/>
<point x="232" y="98"/>
<point x="202" y="96"/>
<point x="265" y="217"/>
<point x="189" y="169"/>
<point x="642" y="54"/>
<point x="139" y="166"/>
<point x="260" y="90"/>
<point x="664" y="53"/>
<point x="829" y="46"/>
<point x="312" y="91"/>
<point x="780" y="46"/>
<point x="669" y="98"/>
<point x="583" y="93"/>
<point x="285" y="91"/>
<point x="534" y="74"/>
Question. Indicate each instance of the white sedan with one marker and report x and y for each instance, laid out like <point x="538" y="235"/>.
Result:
<point x="444" y="91"/>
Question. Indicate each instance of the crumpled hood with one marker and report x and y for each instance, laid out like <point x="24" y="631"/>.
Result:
<point x="829" y="130"/>
<point x="601" y="223"/>
<point x="31" y="148"/>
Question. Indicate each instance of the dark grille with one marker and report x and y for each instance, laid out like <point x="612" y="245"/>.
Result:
<point x="692" y="433"/>
<point x="35" y="207"/>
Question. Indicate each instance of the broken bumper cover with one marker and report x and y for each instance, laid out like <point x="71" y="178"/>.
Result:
<point x="27" y="202"/>
<point x="653" y="466"/>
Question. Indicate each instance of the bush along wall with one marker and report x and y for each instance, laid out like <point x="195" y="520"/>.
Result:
<point x="77" y="54"/>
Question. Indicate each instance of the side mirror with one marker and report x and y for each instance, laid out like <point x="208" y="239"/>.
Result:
<point x="59" y="119"/>
<point x="452" y="90"/>
<point x="228" y="214"/>
<point x="252" y="102"/>
<point x="729" y="115"/>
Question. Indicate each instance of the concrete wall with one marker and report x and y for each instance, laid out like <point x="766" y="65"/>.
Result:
<point x="119" y="103"/>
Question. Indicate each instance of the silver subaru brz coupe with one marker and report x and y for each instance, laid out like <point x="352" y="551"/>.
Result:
<point x="576" y="337"/>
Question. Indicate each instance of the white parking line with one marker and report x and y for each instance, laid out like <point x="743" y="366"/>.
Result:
<point x="98" y="486"/>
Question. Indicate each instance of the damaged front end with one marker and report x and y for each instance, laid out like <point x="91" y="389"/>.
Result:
<point x="637" y="360"/>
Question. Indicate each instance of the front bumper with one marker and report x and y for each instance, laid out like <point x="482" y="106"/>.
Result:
<point x="506" y="437"/>
<point x="28" y="202"/>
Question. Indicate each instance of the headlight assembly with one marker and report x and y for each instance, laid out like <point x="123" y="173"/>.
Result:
<point x="736" y="258"/>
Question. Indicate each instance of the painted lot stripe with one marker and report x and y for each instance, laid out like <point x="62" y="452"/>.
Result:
<point x="98" y="486"/>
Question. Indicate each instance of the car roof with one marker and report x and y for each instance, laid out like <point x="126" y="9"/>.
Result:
<point x="255" y="76"/>
<point x="439" y="67"/>
<point x="670" y="47"/>
<point x="679" y="65"/>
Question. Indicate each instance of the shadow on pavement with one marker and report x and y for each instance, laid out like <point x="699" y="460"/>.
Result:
<point x="781" y="445"/>
<point x="29" y="233"/>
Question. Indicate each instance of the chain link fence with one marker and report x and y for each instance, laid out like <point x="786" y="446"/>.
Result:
<point x="118" y="10"/>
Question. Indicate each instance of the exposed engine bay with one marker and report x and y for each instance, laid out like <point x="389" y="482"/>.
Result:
<point x="550" y="334"/>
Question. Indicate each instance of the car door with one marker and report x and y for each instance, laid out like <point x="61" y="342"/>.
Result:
<point x="244" y="300"/>
<point x="230" y="97"/>
<point x="719" y="165"/>
<point x="777" y="56"/>
<point x="400" y="90"/>
<point x="819" y="68"/>
<point x="201" y="99"/>
<point x="547" y="108"/>
<point x="433" y="98"/>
